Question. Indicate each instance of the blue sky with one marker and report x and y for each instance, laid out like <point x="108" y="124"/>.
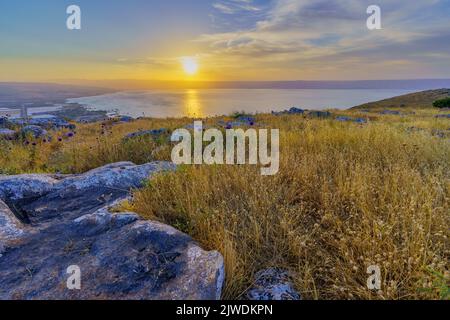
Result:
<point x="232" y="39"/>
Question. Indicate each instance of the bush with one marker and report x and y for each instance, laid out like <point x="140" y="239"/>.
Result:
<point x="442" y="103"/>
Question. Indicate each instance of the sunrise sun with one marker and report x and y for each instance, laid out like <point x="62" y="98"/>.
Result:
<point x="190" y="65"/>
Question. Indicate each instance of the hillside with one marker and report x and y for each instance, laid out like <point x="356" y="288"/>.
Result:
<point x="423" y="99"/>
<point x="353" y="190"/>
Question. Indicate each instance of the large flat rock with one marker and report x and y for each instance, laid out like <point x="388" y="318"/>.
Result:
<point x="119" y="255"/>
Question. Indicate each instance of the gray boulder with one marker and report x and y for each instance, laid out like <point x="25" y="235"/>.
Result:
<point x="123" y="175"/>
<point x="25" y="186"/>
<point x="35" y="131"/>
<point x="90" y="118"/>
<point x="319" y="114"/>
<point x="4" y="122"/>
<point x="273" y="284"/>
<point x="390" y="112"/>
<point x="125" y="119"/>
<point x="50" y="122"/>
<point x="120" y="256"/>
<point x="147" y="133"/>
<point x="7" y="133"/>
<point x="10" y="227"/>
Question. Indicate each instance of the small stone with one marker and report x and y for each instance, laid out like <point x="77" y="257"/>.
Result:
<point x="273" y="284"/>
<point x="35" y="131"/>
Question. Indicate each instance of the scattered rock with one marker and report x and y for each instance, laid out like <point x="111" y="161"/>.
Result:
<point x="147" y="133"/>
<point x="44" y="121"/>
<point x="4" y="122"/>
<point x="246" y="119"/>
<point x="35" y="131"/>
<point x="390" y="112"/>
<point x="349" y="119"/>
<point x="439" y="133"/>
<point x="360" y="120"/>
<point x="7" y="133"/>
<point x="125" y="119"/>
<point x="273" y="284"/>
<point x="344" y="119"/>
<point x="443" y="116"/>
<point x="319" y="114"/>
<point x="291" y="111"/>
<point x="295" y="110"/>
<point x="90" y="118"/>
<point x="414" y="129"/>
<point x="119" y="255"/>
<point x="234" y="124"/>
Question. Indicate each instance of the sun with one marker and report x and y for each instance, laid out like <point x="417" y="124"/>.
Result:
<point x="190" y="65"/>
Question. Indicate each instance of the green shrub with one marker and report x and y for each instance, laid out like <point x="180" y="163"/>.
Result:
<point x="442" y="103"/>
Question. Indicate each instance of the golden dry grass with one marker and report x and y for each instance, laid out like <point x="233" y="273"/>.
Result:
<point x="347" y="196"/>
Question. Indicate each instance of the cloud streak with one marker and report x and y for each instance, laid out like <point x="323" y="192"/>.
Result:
<point x="297" y="33"/>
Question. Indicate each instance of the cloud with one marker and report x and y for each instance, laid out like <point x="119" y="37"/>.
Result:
<point x="235" y="6"/>
<point x="294" y="33"/>
<point x="301" y="39"/>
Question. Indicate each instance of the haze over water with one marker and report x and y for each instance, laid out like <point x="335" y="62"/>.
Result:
<point x="213" y="102"/>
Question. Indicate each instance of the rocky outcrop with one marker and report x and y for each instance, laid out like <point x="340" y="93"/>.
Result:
<point x="25" y="186"/>
<point x="7" y="133"/>
<point x="147" y="133"/>
<point x="119" y="255"/>
<point x="10" y="227"/>
<point x="50" y="122"/>
<point x="273" y="284"/>
<point x="34" y="131"/>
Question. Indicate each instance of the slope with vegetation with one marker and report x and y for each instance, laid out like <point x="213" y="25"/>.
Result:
<point x="348" y="196"/>
<point x="424" y="99"/>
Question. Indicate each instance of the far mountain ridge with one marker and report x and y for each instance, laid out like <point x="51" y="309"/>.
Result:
<point x="423" y="99"/>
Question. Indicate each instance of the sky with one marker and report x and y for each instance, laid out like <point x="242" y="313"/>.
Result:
<point x="246" y="40"/>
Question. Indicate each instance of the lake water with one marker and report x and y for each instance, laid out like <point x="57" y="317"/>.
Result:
<point x="211" y="102"/>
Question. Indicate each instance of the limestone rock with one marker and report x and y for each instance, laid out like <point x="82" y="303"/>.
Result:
<point x="119" y="255"/>
<point x="10" y="227"/>
<point x="15" y="188"/>
<point x="35" y="131"/>
<point x="272" y="284"/>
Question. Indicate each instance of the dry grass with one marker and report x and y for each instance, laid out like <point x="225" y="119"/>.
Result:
<point x="347" y="196"/>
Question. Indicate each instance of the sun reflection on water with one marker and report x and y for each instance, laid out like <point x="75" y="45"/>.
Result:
<point x="193" y="105"/>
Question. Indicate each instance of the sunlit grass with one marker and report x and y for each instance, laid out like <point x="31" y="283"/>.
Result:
<point x="347" y="196"/>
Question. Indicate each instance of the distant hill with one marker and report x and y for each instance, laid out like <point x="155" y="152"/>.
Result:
<point x="413" y="85"/>
<point x="423" y="99"/>
<point x="14" y="95"/>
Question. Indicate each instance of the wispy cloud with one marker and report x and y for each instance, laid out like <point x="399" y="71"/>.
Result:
<point x="236" y="6"/>
<point x="301" y="39"/>
<point x="294" y="33"/>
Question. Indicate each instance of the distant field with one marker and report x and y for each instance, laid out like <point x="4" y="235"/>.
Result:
<point x="422" y="99"/>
